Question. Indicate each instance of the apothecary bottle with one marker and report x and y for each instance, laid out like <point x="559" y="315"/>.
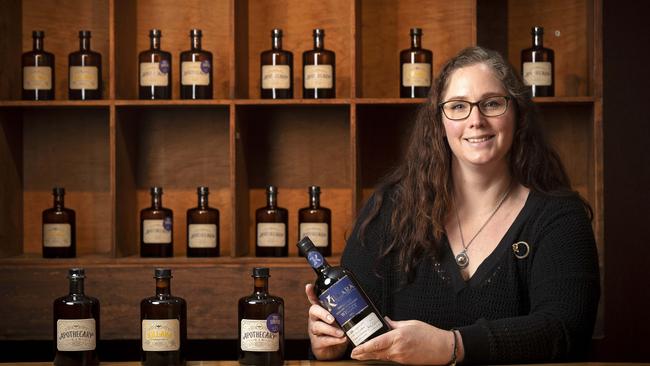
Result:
<point x="538" y="66"/>
<point x="155" y="70"/>
<point x="315" y="221"/>
<point x="416" y="68"/>
<point x="196" y="69"/>
<point x="59" y="228"/>
<point x="156" y="228"/>
<point x="84" y="71"/>
<point x="203" y="227"/>
<point x="276" y="70"/>
<point x="319" y="70"/>
<point x="271" y="229"/>
<point x="38" y="71"/>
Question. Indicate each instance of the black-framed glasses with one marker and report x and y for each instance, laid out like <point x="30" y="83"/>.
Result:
<point x="458" y="110"/>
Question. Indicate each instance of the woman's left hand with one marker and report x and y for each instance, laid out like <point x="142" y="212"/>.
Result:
<point x="409" y="342"/>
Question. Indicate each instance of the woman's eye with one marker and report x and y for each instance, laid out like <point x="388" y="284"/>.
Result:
<point x="457" y="106"/>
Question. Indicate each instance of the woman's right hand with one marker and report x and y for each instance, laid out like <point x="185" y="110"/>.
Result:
<point x="328" y="342"/>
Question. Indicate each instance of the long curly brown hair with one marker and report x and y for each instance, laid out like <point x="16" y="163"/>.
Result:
<point x="421" y="186"/>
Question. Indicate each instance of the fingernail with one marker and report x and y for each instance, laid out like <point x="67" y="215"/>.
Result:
<point x="330" y="318"/>
<point x="340" y="333"/>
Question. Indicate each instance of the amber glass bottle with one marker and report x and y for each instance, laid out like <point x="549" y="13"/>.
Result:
<point x="319" y="70"/>
<point x="38" y="71"/>
<point x="163" y="320"/>
<point x="538" y="66"/>
<point x="416" y="65"/>
<point x="276" y="71"/>
<point x="315" y="222"/>
<point x="59" y="229"/>
<point x="84" y="71"/>
<point x="261" y="324"/>
<point x="155" y="70"/>
<point x="203" y="228"/>
<point x="271" y="227"/>
<point x="76" y="325"/>
<point x="196" y="70"/>
<point x="156" y="228"/>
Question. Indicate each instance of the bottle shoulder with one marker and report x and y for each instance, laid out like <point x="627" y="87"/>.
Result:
<point x="163" y="300"/>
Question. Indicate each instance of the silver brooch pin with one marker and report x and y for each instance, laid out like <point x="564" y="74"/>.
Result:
<point x="521" y="249"/>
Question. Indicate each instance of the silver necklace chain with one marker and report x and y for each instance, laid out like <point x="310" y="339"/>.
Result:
<point x="462" y="259"/>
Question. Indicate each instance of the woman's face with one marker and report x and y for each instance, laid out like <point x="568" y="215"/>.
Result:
<point x="478" y="140"/>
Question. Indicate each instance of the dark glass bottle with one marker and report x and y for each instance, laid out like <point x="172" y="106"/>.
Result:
<point x="76" y="325"/>
<point x="538" y="66"/>
<point x="203" y="228"/>
<point x="155" y="70"/>
<point x="156" y="228"/>
<point x="276" y="71"/>
<point x="163" y="324"/>
<point x="416" y="65"/>
<point x="84" y="71"/>
<point x="59" y="229"/>
<point x="319" y="70"/>
<point x="38" y="71"/>
<point x="316" y="223"/>
<point x="340" y="293"/>
<point x="261" y="324"/>
<point x="271" y="229"/>
<point x="196" y="70"/>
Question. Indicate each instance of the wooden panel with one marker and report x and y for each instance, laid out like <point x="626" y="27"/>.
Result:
<point x="297" y="19"/>
<point x="126" y="51"/>
<point x="62" y="21"/>
<point x="448" y="27"/>
<point x="492" y="25"/>
<point x="126" y="234"/>
<point x="10" y="49"/>
<point x="241" y="60"/>
<point x="565" y="31"/>
<point x="68" y="148"/>
<point x="11" y="170"/>
<point x="175" y="19"/>
<point x="241" y="205"/>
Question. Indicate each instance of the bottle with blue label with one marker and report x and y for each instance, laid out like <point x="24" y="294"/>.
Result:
<point x="261" y="324"/>
<point x="340" y="293"/>
<point x="156" y="228"/>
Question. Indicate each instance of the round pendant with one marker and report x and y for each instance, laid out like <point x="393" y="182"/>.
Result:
<point x="462" y="260"/>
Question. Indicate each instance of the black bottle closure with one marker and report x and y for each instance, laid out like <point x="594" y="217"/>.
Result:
<point x="203" y="193"/>
<point x="416" y="37"/>
<point x="196" y="35"/>
<point x="538" y="36"/>
<point x="156" y="197"/>
<point x="314" y="196"/>
<point x="154" y="39"/>
<point x="37" y="40"/>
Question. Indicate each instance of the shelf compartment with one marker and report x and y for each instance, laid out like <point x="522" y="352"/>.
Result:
<point x="293" y="147"/>
<point x="178" y="148"/>
<point x="385" y="24"/>
<point x="134" y="19"/>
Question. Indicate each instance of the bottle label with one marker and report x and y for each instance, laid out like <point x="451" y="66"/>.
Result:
<point x="271" y="234"/>
<point x="161" y="335"/>
<point x="538" y="73"/>
<point x="202" y="235"/>
<point x="344" y="301"/>
<point x="315" y="259"/>
<point x="318" y="77"/>
<point x="276" y="77"/>
<point x="257" y="337"/>
<point x="84" y="77"/>
<point x="194" y="73"/>
<point x="156" y="231"/>
<point x="37" y="77"/>
<point x="416" y="74"/>
<point x="75" y="335"/>
<point x="151" y="74"/>
<point x="317" y="232"/>
<point x="57" y="235"/>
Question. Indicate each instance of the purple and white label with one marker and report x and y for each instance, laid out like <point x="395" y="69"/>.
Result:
<point x="164" y="66"/>
<point x="167" y="223"/>
<point x="274" y="322"/>
<point x="343" y="300"/>
<point x="315" y="259"/>
<point x="205" y="66"/>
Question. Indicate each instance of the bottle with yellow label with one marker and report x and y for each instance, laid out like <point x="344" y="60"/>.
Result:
<point x="59" y="229"/>
<point x="416" y="68"/>
<point x="196" y="70"/>
<point x="163" y="320"/>
<point x="38" y="71"/>
<point x="538" y="66"/>
<point x="319" y="70"/>
<point x="155" y="70"/>
<point x="84" y="71"/>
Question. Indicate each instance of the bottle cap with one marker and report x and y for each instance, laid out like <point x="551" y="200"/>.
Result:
<point x="58" y="191"/>
<point x="537" y="31"/>
<point x="261" y="272"/>
<point x="304" y="245"/>
<point x="156" y="190"/>
<point x="84" y="34"/>
<point x="202" y="190"/>
<point x="195" y="33"/>
<point x="416" y="31"/>
<point x="38" y="33"/>
<point x="319" y="32"/>
<point x="276" y="32"/>
<point x="314" y="189"/>
<point x="155" y="33"/>
<point x="162" y="273"/>
<point x="271" y="189"/>
<point x="76" y="273"/>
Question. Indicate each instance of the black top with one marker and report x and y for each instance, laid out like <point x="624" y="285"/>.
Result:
<point x="538" y="308"/>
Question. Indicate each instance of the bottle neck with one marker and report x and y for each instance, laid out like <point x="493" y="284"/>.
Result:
<point x="203" y="201"/>
<point x="271" y="199"/>
<point x="58" y="201"/>
<point x="84" y="43"/>
<point x="277" y="43"/>
<point x="261" y="285"/>
<point x="416" y="41"/>
<point x="154" y="43"/>
<point x="37" y="44"/>
<point x="314" y="200"/>
<point x="156" y="201"/>
<point x="196" y="43"/>
<point x="163" y="286"/>
<point x="538" y="40"/>
<point x="76" y="286"/>
<point x="319" y="43"/>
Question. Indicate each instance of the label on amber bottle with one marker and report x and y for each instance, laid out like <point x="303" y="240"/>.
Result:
<point x="161" y="335"/>
<point x="193" y="73"/>
<point x="538" y="73"/>
<point x="319" y="77"/>
<point x="57" y="235"/>
<point x="37" y="77"/>
<point x="202" y="235"/>
<point x="257" y="337"/>
<point x="317" y="232"/>
<point x="152" y="75"/>
<point x="156" y="232"/>
<point x="75" y="335"/>
<point x="270" y="234"/>
<point x="83" y="77"/>
<point x="416" y="74"/>
<point x="276" y="77"/>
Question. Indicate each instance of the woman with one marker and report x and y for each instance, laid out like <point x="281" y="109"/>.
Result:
<point x="475" y="246"/>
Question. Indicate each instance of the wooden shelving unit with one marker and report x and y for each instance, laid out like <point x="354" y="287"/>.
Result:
<point x="108" y="153"/>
